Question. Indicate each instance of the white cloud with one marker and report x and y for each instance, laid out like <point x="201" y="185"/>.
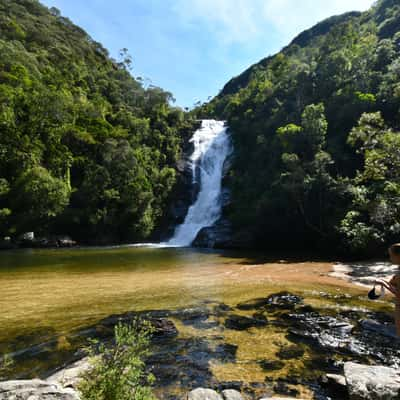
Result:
<point x="242" y="20"/>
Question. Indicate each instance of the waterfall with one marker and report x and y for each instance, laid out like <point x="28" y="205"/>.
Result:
<point x="212" y="145"/>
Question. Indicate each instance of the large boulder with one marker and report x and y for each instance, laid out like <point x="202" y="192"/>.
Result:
<point x="204" y="394"/>
<point x="70" y="377"/>
<point x="216" y="236"/>
<point x="372" y="382"/>
<point x="35" y="389"/>
<point x="230" y="394"/>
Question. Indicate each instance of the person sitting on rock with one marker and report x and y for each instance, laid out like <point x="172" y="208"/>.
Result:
<point x="394" y="284"/>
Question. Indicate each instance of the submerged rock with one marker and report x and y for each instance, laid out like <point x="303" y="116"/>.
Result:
<point x="372" y="382"/>
<point x="282" y="300"/>
<point x="253" y="304"/>
<point x="282" y="388"/>
<point x="240" y="323"/>
<point x="271" y="365"/>
<point x="35" y="389"/>
<point x="290" y="352"/>
<point x="387" y="329"/>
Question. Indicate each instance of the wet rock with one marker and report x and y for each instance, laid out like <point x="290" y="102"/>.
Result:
<point x="226" y="352"/>
<point x="204" y="394"/>
<point x="372" y="382"/>
<point x="327" y="331"/>
<point x="6" y="243"/>
<point x="70" y="376"/>
<point x="231" y="394"/>
<point x="338" y="380"/>
<point x="184" y="362"/>
<point x="284" y="300"/>
<point x="65" y="241"/>
<point x="221" y="309"/>
<point x="335" y="385"/>
<point x="189" y="314"/>
<point x="271" y="365"/>
<point x="290" y="352"/>
<point x="240" y="323"/>
<point x="253" y="304"/>
<point x="344" y="337"/>
<point x="236" y="385"/>
<point x="35" y="389"/>
<point x="163" y="327"/>
<point x="282" y="388"/>
<point x="216" y="236"/>
<point x="386" y="329"/>
<point x="197" y="317"/>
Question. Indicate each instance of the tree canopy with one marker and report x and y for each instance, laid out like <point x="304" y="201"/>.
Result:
<point x="85" y="149"/>
<point x="315" y="131"/>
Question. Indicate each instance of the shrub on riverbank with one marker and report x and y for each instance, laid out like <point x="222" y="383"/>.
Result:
<point x="118" y="370"/>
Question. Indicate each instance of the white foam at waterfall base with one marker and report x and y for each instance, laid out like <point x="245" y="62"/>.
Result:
<point x="212" y="145"/>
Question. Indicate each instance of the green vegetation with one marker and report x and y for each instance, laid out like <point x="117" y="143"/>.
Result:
<point x="118" y="371"/>
<point x="316" y="135"/>
<point x="6" y="365"/>
<point x="85" y="149"/>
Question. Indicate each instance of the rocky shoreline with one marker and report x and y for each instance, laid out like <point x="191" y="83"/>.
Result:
<point x="29" y="240"/>
<point x="359" y="382"/>
<point x="357" y="352"/>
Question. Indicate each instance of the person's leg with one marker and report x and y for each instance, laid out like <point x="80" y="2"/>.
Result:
<point x="397" y="318"/>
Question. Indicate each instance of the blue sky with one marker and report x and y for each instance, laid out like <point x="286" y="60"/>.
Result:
<point x="193" y="47"/>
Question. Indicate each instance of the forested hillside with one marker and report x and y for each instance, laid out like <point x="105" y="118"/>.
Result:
<point x="316" y="135"/>
<point x="85" y="149"/>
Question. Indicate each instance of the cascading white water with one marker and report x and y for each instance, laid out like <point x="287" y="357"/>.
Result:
<point x="212" y="145"/>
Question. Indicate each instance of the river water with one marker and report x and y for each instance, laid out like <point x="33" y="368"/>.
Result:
<point x="50" y="299"/>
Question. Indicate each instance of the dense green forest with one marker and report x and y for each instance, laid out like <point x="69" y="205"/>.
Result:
<point x="85" y="149"/>
<point x="88" y="150"/>
<point x="316" y="136"/>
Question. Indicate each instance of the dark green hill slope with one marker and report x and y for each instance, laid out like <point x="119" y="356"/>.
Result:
<point x="84" y="148"/>
<point x="315" y="129"/>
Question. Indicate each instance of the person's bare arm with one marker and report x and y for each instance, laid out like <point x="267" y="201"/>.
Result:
<point x="391" y="286"/>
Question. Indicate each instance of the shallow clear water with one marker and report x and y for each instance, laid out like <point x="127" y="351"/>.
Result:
<point x="48" y="297"/>
<point x="366" y="273"/>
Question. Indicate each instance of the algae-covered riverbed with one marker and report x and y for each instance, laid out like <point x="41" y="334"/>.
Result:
<point x="50" y="299"/>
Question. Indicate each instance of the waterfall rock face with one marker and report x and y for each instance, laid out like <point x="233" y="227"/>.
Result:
<point x="212" y="146"/>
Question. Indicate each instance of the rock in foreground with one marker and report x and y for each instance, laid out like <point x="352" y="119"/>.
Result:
<point x="35" y="390"/>
<point x="372" y="382"/>
<point x="204" y="394"/>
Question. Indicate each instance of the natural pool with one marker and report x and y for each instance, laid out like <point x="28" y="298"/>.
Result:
<point x="50" y="297"/>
